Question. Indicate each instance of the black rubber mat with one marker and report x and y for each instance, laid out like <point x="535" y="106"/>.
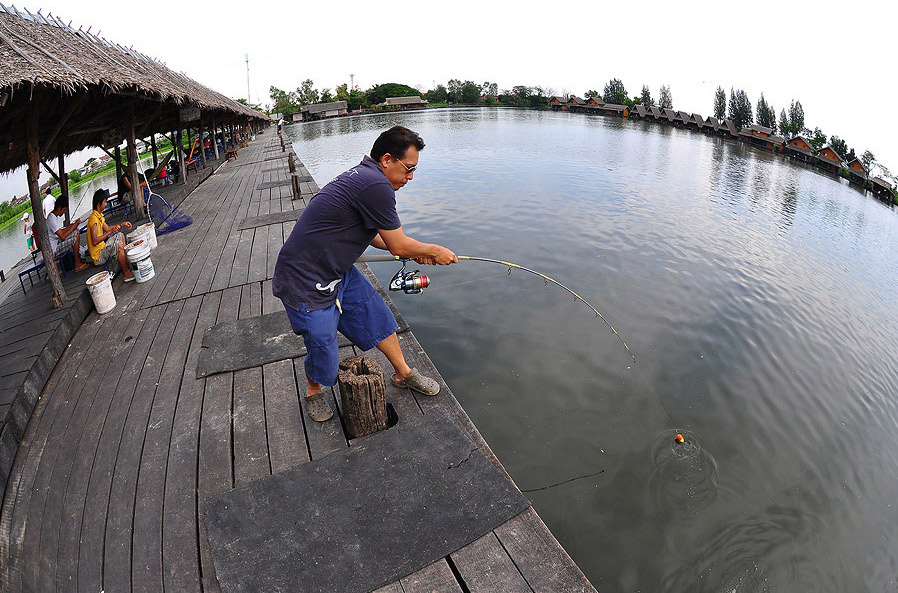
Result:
<point x="267" y="219"/>
<point x="251" y="342"/>
<point x="361" y="518"/>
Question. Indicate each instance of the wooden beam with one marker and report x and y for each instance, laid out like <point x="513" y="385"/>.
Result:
<point x="64" y="182"/>
<point x="51" y="171"/>
<point x="155" y="152"/>
<point x="215" y="140"/>
<point x="34" y="158"/>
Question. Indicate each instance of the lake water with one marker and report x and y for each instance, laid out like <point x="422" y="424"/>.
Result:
<point x="12" y="239"/>
<point x="758" y="296"/>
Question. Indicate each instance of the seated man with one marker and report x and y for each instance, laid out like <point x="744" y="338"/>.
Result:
<point x="64" y="238"/>
<point x="103" y="241"/>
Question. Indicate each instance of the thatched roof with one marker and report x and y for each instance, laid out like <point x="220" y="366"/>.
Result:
<point x="90" y="85"/>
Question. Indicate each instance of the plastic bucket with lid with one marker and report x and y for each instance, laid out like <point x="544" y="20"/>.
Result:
<point x="138" y="253"/>
<point x="145" y="232"/>
<point x="100" y="288"/>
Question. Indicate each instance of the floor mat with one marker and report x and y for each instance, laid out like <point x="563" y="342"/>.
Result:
<point x="361" y="518"/>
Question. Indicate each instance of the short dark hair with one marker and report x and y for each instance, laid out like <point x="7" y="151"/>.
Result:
<point x="396" y="142"/>
<point x="61" y="202"/>
<point x="99" y="196"/>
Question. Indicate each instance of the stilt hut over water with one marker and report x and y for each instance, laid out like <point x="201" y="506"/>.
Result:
<point x="65" y="89"/>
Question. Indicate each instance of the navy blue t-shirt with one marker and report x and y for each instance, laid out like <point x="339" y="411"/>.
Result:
<point x="333" y="231"/>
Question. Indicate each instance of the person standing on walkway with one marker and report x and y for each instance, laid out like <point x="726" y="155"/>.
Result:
<point x="29" y="232"/>
<point x="315" y="278"/>
<point x="48" y="203"/>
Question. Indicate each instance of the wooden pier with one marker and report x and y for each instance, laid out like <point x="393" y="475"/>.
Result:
<point x="125" y="442"/>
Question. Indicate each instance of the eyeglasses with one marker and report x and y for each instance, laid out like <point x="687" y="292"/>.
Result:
<point x="407" y="168"/>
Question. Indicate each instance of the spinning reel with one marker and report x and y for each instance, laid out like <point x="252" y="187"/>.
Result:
<point x="409" y="282"/>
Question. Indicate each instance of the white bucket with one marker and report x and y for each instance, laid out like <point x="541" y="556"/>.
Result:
<point x="145" y="232"/>
<point x="151" y="234"/>
<point x="100" y="288"/>
<point x="138" y="254"/>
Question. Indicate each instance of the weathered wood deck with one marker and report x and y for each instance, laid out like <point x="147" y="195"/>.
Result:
<point x="125" y="442"/>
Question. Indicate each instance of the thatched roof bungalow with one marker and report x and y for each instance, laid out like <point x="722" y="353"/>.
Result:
<point x="64" y="89"/>
<point x="400" y="103"/>
<point x="857" y="172"/>
<point x="83" y="87"/>
<point x="828" y="159"/>
<point x="799" y="148"/>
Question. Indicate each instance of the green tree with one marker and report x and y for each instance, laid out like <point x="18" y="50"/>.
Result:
<point x="306" y="93"/>
<point x="74" y="176"/>
<point x="615" y="92"/>
<point x="869" y="160"/>
<point x="592" y="94"/>
<point x="490" y="91"/>
<point x="817" y="138"/>
<point x="437" y="95"/>
<point x="379" y="93"/>
<point x="720" y="103"/>
<point x="841" y="147"/>
<point x="666" y="99"/>
<point x="646" y="97"/>
<point x="283" y="102"/>
<point x="740" y="110"/>
<point x="796" y="117"/>
<point x="326" y="96"/>
<point x="766" y="114"/>
<point x="470" y="93"/>
<point x="785" y="126"/>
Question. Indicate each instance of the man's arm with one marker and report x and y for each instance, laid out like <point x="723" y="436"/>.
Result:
<point x="400" y="244"/>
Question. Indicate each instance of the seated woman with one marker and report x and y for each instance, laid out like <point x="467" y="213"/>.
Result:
<point x="103" y="241"/>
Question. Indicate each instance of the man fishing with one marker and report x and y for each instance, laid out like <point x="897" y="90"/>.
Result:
<point x="321" y="290"/>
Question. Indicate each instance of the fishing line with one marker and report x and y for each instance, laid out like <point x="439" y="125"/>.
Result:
<point x="415" y="282"/>
<point x="601" y="471"/>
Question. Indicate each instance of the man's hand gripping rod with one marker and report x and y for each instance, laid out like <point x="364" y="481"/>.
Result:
<point x="415" y="282"/>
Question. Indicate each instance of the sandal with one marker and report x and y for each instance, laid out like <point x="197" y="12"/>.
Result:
<point x="318" y="408"/>
<point x="418" y="382"/>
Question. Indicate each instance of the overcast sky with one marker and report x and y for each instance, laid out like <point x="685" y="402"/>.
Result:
<point x="838" y="59"/>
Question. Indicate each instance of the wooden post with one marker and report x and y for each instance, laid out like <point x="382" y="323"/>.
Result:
<point x="181" y="167"/>
<point x="34" y="159"/>
<point x="362" y="391"/>
<point x="136" y="192"/>
<point x="118" y="167"/>
<point x="215" y="140"/>
<point x="155" y="152"/>
<point x="64" y="182"/>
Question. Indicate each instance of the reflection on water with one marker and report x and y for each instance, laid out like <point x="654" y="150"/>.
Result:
<point x="757" y="294"/>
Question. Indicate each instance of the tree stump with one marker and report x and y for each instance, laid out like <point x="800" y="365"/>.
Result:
<point x="363" y="394"/>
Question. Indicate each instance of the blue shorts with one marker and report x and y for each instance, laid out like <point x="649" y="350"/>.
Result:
<point x="366" y="320"/>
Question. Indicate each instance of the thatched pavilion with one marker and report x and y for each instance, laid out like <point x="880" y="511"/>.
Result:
<point x="65" y="89"/>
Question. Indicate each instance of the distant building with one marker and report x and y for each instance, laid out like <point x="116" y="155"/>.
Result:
<point x="323" y="110"/>
<point x="670" y="115"/>
<point x="857" y="172"/>
<point x="595" y="101"/>
<point x="799" y="148"/>
<point x="762" y="137"/>
<point x="402" y="103"/>
<point x="557" y="103"/>
<point x="711" y="124"/>
<point x="881" y="188"/>
<point x="639" y="111"/>
<point x="828" y="159"/>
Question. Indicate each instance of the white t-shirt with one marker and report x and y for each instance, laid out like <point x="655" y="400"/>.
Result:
<point x="54" y="223"/>
<point x="48" y="204"/>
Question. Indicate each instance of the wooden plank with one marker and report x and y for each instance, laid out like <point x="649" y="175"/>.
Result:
<point x="180" y="554"/>
<point x="322" y="437"/>
<point x="90" y="551"/>
<point x="240" y="269"/>
<point x="119" y="523"/>
<point x="391" y="588"/>
<point x="275" y="243"/>
<point x="538" y="555"/>
<point x="103" y="382"/>
<point x="287" y="445"/>
<point x="40" y="542"/>
<point x="251" y="459"/>
<point x="258" y="264"/>
<point x="146" y="556"/>
<point x="21" y="486"/>
<point x="270" y="303"/>
<point x="436" y="578"/>
<point x="485" y="567"/>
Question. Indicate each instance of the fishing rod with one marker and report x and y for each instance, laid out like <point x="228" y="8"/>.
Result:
<point x="415" y="282"/>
